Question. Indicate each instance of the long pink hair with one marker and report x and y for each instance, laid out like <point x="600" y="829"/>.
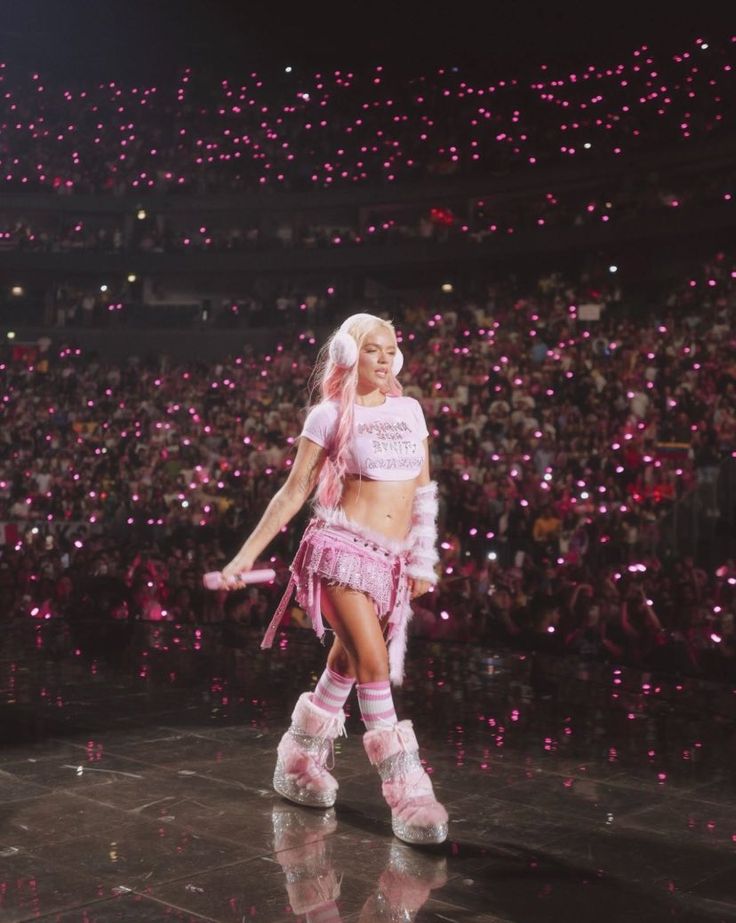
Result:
<point x="340" y="384"/>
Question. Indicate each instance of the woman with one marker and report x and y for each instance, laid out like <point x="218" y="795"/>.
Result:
<point x="369" y="549"/>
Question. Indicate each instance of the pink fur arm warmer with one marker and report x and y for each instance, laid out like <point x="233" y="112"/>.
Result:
<point x="423" y="555"/>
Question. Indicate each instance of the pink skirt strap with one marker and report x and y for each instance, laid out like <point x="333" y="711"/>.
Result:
<point x="278" y="615"/>
<point x="316" y="613"/>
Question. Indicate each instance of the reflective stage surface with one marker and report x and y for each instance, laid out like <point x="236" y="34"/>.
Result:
<point x="135" y="786"/>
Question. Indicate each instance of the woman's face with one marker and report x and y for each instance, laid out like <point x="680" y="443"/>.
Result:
<point x="375" y="359"/>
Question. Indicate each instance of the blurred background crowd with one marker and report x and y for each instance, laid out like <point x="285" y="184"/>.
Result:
<point x="565" y="451"/>
<point x="301" y="130"/>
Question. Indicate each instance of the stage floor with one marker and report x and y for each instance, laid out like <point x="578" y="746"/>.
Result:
<point x="135" y="786"/>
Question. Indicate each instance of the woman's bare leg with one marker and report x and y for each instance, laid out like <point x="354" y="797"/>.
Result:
<point x="359" y="635"/>
<point x="416" y="815"/>
<point x="339" y="660"/>
<point x="301" y="773"/>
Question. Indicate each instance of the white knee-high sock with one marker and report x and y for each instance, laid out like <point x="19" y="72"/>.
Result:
<point x="331" y="691"/>
<point x="376" y="704"/>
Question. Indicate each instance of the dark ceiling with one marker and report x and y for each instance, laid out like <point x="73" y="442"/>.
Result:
<point x="132" y="38"/>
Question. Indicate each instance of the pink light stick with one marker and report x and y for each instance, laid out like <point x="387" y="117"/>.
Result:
<point x="215" y="581"/>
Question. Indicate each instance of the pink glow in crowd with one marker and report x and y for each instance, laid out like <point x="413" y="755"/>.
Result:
<point x="346" y="127"/>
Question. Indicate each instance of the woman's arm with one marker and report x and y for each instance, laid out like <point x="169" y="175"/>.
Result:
<point x="424" y="478"/>
<point x="284" y="505"/>
<point x="419" y="587"/>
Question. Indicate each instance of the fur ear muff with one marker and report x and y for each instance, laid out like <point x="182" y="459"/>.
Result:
<point x="343" y="350"/>
<point x="397" y="363"/>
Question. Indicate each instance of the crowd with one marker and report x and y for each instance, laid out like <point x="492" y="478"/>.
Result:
<point x="615" y="200"/>
<point x="560" y="442"/>
<point x="300" y="130"/>
<point x="610" y="203"/>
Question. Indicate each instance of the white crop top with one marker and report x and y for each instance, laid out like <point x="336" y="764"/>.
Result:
<point x="387" y="442"/>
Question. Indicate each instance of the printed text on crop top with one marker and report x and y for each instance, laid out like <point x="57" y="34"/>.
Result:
<point x="387" y="442"/>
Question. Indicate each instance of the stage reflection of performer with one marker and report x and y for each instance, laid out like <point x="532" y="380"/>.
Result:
<point x="368" y="550"/>
<point x="303" y="848"/>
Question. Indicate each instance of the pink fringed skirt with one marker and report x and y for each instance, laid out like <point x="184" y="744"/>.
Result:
<point x="337" y="550"/>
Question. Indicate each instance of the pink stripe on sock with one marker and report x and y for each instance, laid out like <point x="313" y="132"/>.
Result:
<point x="326" y="694"/>
<point x="376" y="704"/>
<point x="339" y="678"/>
<point x="331" y="691"/>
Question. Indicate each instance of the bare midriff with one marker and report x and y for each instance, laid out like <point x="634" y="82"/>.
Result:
<point x="384" y="506"/>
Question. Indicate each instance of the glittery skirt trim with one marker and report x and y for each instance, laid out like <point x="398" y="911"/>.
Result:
<point x="343" y="553"/>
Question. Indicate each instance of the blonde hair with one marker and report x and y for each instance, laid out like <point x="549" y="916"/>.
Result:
<point x="341" y="385"/>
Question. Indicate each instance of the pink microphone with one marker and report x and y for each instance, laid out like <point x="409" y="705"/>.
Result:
<point x="215" y="581"/>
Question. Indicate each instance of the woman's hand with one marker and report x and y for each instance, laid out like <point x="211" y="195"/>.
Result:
<point x="240" y="564"/>
<point x="418" y="587"/>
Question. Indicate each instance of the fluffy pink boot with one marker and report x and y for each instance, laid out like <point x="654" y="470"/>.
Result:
<point x="416" y="815"/>
<point x="301" y="773"/>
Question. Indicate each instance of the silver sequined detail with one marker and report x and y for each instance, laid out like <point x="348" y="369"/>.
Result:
<point x="431" y="833"/>
<point x="400" y="764"/>
<point x="287" y="787"/>
<point x="314" y="746"/>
